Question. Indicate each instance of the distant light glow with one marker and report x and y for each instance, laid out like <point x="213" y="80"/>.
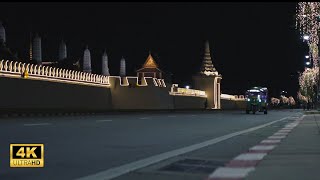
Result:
<point x="307" y="57"/>
<point x="187" y="87"/>
<point x="306" y="37"/>
<point x="308" y="63"/>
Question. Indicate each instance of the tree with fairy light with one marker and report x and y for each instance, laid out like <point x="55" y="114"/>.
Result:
<point x="307" y="21"/>
<point x="292" y="102"/>
<point x="307" y="82"/>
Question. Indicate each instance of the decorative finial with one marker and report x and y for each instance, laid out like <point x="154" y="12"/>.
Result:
<point x="207" y="48"/>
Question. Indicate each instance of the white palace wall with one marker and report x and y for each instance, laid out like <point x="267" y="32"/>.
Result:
<point x="33" y="88"/>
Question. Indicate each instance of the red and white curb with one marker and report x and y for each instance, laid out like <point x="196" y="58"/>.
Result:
<point x="270" y="141"/>
<point x="246" y="160"/>
<point x="239" y="167"/>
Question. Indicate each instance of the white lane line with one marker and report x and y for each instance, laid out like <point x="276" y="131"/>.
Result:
<point x="250" y="156"/>
<point x="263" y="147"/>
<point x="104" y="120"/>
<point x="228" y="172"/>
<point x="38" y="124"/>
<point x="126" y="168"/>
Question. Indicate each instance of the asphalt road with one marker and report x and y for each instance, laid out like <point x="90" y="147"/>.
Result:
<point x="79" y="146"/>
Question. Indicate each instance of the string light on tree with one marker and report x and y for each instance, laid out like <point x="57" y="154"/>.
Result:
<point x="307" y="21"/>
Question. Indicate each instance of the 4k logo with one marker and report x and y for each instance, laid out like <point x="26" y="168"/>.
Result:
<point x="26" y="155"/>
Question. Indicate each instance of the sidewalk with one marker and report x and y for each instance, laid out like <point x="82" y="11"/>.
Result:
<point x="297" y="157"/>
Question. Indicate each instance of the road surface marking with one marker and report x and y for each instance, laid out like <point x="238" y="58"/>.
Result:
<point x="249" y="160"/>
<point x="246" y="160"/>
<point x="292" y="125"/>
<point x="39" y="124"/>
<point x="104" y="120"/>
<point x="126" y="168"/>
<point x="250" y="156"/>
<point x="262" y="147"/>
<point x="276" y="137"/>
<point x="228" y="172"/>
<point x="281" y="134"/>
<point x="271" y="141"/>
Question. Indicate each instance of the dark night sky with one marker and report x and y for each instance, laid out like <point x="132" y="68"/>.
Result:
<point x="251" y="43"/>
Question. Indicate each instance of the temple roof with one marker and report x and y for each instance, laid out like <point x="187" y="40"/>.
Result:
<point x="149" y="65"/>
<point x="150" y="62"/>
